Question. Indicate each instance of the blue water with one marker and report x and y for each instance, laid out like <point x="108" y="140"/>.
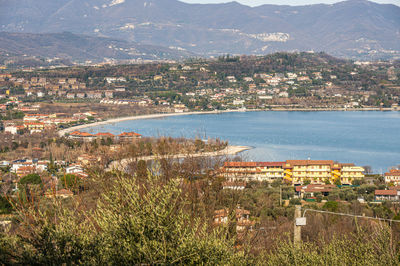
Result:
<point x="363" y="138"/>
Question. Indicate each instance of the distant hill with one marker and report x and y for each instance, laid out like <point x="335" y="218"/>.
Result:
<point x="81" y="48"/>
<point x="353" y="29"/>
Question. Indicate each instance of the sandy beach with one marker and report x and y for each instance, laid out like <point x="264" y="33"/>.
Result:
<point x="138" y="117"/>
<point x="229" y="150"/>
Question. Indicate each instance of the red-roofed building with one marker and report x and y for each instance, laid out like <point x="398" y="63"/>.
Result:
<point x="387" y="195"/>
<point x="34" y="127"/>
<point x="393" y="177"/>
<point x="81" y="135"/>
<point x="259" y="171"/>
<point x="105" y="135"/>
<point x="311" y="189"/>
<point x="25" y="170"/>
<point x="129" y="136"/>
<point x="293" y="171"/>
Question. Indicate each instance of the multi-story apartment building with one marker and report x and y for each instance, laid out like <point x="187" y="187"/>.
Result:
<point x="300" y="171"/>
<point x="294" y="171"/>
<point x="350" y="172"/>
<point x="393" y="177"/>
<point x="257" y="171"/>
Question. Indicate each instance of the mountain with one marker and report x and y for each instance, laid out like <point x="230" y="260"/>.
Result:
<point x="355" y="28"/>
<point x="81" y="48"/>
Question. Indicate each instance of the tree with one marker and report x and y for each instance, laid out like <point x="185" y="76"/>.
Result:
<point x="332" y="206"/>
<point x="368" y="169"/>
<point x="31" y="179"/>
<point x="70" y="181"/>
<point x="5" y="206"/>
<point x="130" y="226"/>
<point x="141" y="170"/>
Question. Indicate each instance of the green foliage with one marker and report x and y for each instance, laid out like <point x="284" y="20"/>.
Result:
<point x="361" y="249"/>
<point x="10" y="115"/>
<point x="295" y="201"/>
<point x="31" y="179"/>
<point x="133" y="224"/>
<point x="141" y="171"/>
<point x="5" y="206"/>
<point x="332" y="206"/>
<point x="70" y="181"/>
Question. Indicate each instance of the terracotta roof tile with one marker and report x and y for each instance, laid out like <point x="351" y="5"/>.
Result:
<point x="389" y="192"/>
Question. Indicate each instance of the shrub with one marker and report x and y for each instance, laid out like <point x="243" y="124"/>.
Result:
<point x="145" y="223"/>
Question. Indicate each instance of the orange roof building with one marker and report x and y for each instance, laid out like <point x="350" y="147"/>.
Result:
<point x="293" y="171"/>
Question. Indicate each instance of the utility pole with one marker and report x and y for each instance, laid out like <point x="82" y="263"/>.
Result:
<point x="297" y="227"/>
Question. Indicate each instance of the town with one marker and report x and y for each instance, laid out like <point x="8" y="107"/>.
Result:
<point x="47" y="156"/>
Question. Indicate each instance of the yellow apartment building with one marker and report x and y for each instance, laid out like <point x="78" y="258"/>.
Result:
<point x="293" y="171"/>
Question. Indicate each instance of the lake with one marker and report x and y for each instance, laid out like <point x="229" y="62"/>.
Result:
<point x="364" y="138"/>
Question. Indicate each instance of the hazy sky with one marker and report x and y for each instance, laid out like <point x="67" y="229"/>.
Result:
<point x="282" y="2"/>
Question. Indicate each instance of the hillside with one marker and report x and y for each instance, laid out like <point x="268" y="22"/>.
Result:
<point x="354" y="29"/>
<point x="81" y="48"/>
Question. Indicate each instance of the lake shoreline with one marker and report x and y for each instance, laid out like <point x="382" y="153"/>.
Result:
<point x="63" y="132"/>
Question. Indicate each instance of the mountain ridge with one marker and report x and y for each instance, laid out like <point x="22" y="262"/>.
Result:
<point x="352" y="29"/>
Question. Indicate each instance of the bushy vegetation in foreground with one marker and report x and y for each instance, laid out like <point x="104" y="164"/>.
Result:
<point x="148" y="220"/>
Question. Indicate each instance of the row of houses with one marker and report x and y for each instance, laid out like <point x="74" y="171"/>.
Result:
<point x="89" y="137"/>
<point x="36" y="123"/>
<point x="293" y="171"/>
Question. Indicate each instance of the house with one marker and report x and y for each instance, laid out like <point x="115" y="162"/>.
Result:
<point x="109" y="94"/>
<point x="315" y="171"/>
<point x="80" y="95"/>
<point x="158" y="77"/>
<point x="234" y="185"/>
<point x="104" y="135"/>
<point x="34" y="127"/>
<point x="25" y="170"/>
<point x="350" y="172"/>
<point x="231" y="79"/>
<point x="88" y="159"/>
<point x="77" y="170"/>
<point x="248" y="79"/>
<point x="256" y="171"/>
<point x="94" y="95"/>
<point x="34" y="117"/>
<point x="393" y="177"/>
<point x="238" y="102"/>
<point x="14" y="129"/>
<point x="81" y="135"/>
<point x="312" y="189"/>
<point x="129" y="135"/>
<point x="42" y="166"/>
<point x="72" y="80"/>
<point x="242" y="218"/>
<point x="387" y="195"/>
<point x="4" y="163"/>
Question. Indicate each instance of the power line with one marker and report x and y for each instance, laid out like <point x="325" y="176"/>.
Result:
<point x="351" y="215"/>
